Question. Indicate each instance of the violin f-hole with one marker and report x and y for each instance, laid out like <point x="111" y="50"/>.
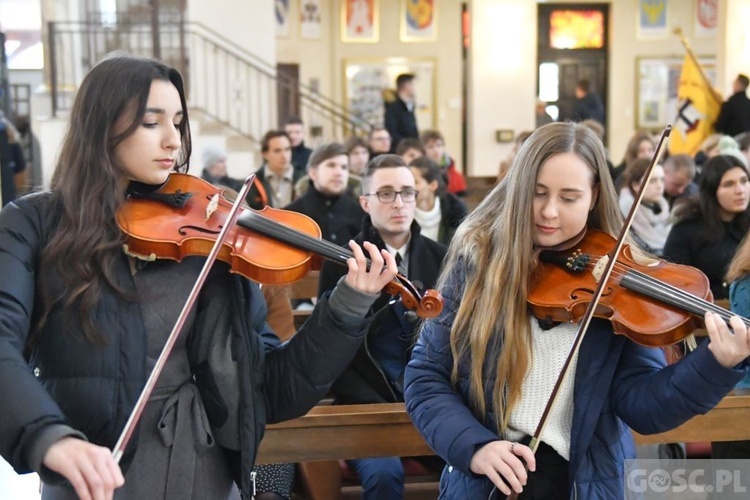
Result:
<point x="588" y="291"/>
<point x="183" y="230"/>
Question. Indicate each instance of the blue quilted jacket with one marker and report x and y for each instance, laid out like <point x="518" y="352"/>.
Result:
<point x="619" y="385"/>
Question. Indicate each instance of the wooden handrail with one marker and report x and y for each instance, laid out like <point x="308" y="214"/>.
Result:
<point x="378" y="430"/>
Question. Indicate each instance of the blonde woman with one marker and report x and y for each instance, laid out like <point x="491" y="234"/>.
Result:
<point x="481" y="373"/>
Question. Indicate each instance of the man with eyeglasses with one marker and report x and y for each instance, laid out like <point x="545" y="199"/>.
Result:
<point x="376" y="373"/>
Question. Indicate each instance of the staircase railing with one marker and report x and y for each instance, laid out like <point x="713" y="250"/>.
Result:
<point x="224" y="81"/>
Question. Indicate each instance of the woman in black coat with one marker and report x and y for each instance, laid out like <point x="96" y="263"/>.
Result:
<point x="82" y="321"/>
<point x="710" y="226"/>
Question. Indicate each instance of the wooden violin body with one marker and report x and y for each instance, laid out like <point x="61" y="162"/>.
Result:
<point x="654" y="305"/>
<point x="165" y="231"/>
<point x="271" y="246"/>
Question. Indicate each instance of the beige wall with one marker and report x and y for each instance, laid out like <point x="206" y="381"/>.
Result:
<point x="324" y="59"/>
<point x="248" y="24"/>
<point x="504" y="71"/>
<point x="734" y="47"/>
<point x="503" y="64"/>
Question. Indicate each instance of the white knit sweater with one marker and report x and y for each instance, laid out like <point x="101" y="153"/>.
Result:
<point x="549" y="350"/>
<point x="429" y="221"/>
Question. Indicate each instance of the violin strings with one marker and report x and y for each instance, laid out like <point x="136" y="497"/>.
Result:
<point x="668" y="293"/>
<point x="274" y="229"/>
<point x="304" y="241"/>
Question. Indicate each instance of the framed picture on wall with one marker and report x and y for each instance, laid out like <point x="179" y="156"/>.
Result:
<point x="657" y="80"/>
<point x="281" y="14"/>
<point x="418" y="20"/>
<point x="368" y="82"/>
<point x="706" y="18"/>
<point x="310" y="17"/>
<point x="652" y="19"/>
<point x="360" y="21"/>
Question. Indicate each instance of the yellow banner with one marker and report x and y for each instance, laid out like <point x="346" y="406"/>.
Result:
<point x="698" y="107"/>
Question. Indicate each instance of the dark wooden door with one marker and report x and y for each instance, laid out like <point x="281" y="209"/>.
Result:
<point x="573" y="70"/>
<point x="287" y="92"/>
<point x="572" y="64"/>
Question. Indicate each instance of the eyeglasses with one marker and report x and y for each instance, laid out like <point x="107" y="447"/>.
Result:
<point x="389" y="195"/>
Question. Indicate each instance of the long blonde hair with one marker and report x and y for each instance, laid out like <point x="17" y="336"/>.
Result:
<point x="740" y="264"/>
<point x="494" y="245"/>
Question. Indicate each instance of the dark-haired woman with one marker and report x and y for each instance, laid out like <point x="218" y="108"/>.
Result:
<point x="710" y="226"/>
<point x="81" y="322"/>
<point x="438" y="212"/>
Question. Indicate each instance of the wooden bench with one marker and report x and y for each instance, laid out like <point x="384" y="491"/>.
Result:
<point x="376" y="430"/>
<point x="306" y="288"/>
<point x="477" y="188"/>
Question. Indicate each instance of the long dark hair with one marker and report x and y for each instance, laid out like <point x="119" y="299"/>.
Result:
<point x="430" y="172"/>
<point x="87" y="186"/>
<point x="705" y="205"/>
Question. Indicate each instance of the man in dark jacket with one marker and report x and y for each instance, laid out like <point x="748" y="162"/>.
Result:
<point x="588" y="106"/>
<point x="376" y="374"/>
<point x="295" y="129"/>
<point x="274" y="181"/>
<point x="400" y="120"/>
<point x="325" y="200"/>
<point x="734" y="117"/>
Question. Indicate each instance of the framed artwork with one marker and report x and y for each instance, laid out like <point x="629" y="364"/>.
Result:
<point x="706" y="18"/>
<point x="367" y="81"/>
<point x="281" y="14"/>
<point x="652" y="19"/>
<point x="657" y="80"/>
<point x="359" y="21"/>
<point x="418" y="20"/>
<point x="310" y="17"/>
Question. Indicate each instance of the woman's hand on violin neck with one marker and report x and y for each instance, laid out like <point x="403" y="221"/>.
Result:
<point x="89" y="468"/>
<point x="503" y="458"/>
<point x="728" y="347"/>
<point x="382" y="268"/>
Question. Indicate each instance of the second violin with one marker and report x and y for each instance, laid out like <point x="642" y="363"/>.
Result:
<point x="184" y="216"/>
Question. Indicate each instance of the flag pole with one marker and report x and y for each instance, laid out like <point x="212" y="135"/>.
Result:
<point x="678" y="31"/>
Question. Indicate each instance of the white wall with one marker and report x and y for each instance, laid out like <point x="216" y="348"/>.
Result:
<point x="502" y="78"/>
<point x="324" y="59"/>
<point x="734" y="46"/>
<point x="248" y="23"/>
<point x="503" y="70"/>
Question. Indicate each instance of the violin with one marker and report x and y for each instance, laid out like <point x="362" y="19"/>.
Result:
<point x="654" y="305"/>
<point x="184" y="216"/>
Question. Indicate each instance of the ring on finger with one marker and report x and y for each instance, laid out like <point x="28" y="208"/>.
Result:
<point x="511" y="447"/>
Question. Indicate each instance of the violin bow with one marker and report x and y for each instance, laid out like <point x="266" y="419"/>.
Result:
<point x="588" y="316"/>
<point x="140" y="405"/>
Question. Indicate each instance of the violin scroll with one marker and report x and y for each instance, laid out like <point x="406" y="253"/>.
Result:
<point x="426" y="306"/>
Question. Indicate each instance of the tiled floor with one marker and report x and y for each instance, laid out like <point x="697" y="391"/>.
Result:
<point x="15" y="487"/>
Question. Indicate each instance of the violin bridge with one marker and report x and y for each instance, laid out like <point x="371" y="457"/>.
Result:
<point x="212" y="206"/>
<point x="599" y="268"/>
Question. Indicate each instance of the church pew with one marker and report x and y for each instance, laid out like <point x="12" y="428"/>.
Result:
<point x="357" y="431"/>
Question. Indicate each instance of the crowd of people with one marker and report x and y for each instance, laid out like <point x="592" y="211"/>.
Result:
<point x="83" y="321"/>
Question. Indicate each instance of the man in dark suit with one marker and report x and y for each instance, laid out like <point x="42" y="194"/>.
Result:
<point x="734" y="117"/>
<point x="400" y="120"/>
<point x="376" y="373"/>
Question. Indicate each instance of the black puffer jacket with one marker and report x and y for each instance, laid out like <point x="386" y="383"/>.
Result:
<point x="93" y="388"/>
